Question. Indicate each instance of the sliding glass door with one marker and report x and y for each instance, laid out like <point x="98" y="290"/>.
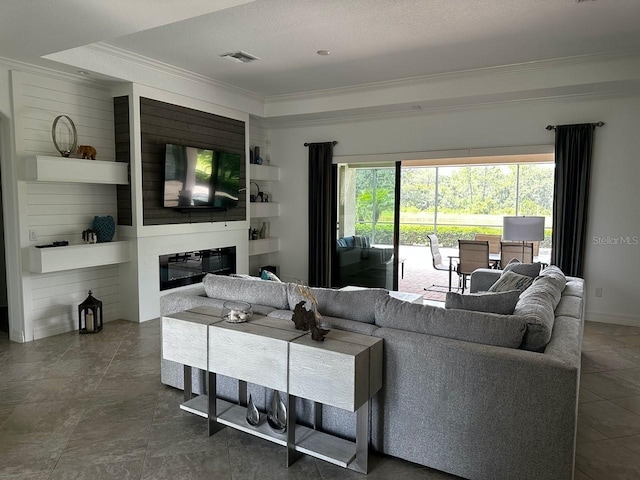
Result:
<point x="366" y="249"/>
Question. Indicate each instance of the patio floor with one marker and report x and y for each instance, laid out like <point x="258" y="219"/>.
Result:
<point x="419" y="272"/>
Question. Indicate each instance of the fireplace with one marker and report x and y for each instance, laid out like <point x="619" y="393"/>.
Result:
<point x="185" y="268"/>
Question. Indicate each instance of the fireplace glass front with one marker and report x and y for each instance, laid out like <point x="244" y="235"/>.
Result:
<point x="185" y="268"/>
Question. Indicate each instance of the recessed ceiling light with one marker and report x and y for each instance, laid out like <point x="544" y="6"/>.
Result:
<point x="239" y="57"/>
<point x="83" y="72"/>
<point x="324" y="53"/>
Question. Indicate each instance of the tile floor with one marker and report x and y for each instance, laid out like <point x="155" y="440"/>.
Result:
<point x="92" y="407"/>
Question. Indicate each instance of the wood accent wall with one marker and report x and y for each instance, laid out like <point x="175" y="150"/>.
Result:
<point x="123" y="154"/>
<point x="162" y="123"/>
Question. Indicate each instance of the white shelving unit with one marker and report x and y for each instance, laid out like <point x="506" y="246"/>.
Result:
<point x="40" y="168"/>
<point x="265" y="173"/>
<point x="263" y="211"/>
<point x="264" y="245"/>
<point x="57" y="259"/>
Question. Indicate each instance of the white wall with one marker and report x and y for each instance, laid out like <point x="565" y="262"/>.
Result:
<point x="614" y="191"/>
<point x="58" y="211"/>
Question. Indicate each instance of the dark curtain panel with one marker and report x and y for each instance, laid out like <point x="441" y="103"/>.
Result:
<point x="322" y="214"/>
<point x="574" y="148"/>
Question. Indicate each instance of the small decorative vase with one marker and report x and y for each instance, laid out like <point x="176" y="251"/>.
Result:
<point x="277" y="416"/>
<point x="104" y="227"/>
<point x="253" y="415"/>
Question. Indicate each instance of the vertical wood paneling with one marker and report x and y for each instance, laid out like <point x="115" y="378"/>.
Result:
<point x="60" y="211"/>
<point x="123" y="154"/>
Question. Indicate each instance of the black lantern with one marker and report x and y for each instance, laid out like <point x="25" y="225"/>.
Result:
<point x="90" y="315"/>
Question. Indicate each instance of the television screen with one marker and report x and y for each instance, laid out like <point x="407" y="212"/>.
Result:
<point x="200" y="178"/>
<point x="227" y="179"/>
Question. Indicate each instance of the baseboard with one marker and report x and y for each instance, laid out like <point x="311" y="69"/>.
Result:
<point x="57" y="329"/>
<point x="629" y="320"/>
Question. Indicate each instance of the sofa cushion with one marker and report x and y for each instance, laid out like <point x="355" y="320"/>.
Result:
<point x="491" y="302"/>
<point x="529" y="269"/>
<point x="511" y="281"/>
<point x="556" y="276"/>
<point x="537" y="305"/>
<point x="356" y="305"/>
<point x="270" y="294"/>
<point x="477" y="327"/>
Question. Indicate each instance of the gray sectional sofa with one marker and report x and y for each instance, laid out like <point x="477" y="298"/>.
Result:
<point x="463" y="391"/>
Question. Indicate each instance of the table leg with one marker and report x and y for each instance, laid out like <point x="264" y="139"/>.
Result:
<point x="292" y="454"/>
<point x="361" y="462"/>
<point x="242" y="393"/>
<point x="212" y="412"/>
<point x="317" y="415"/>
<point x="188" y="388"/>
<point x="450" y="270"/>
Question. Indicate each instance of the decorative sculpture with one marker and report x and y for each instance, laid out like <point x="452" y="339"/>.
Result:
<point x="308" y="319"/>
<point x="277" y="415"/>
<point x="253" y="415"/>
<point x="87" y="151"/>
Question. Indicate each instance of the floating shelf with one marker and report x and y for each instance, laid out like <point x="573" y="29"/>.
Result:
<point x="56" y="259"/>
<point x="263" y="210"/>
<point x="41" y="168"/>
<point x="265" y="173"/>
<point x="264" y="245"/>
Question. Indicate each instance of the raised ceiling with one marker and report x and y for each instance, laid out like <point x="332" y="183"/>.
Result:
<point x="370" y="40"/>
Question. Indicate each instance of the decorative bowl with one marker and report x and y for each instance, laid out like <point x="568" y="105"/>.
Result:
<point x="236" y="312"/>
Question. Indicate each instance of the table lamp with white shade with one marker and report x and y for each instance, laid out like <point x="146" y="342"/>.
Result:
<point x="523" y="229"/>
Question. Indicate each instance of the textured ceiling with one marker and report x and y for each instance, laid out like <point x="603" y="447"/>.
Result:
<point x="370" y="40"/>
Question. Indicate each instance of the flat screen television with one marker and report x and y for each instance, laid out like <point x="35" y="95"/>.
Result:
<point x="200" y="178"/>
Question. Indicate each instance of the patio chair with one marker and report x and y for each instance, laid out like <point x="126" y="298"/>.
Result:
<point x="494" y="241"/>
<point x="473" y="254"/>
<point x="436" y="257"/>
<point x="511" y="250"/>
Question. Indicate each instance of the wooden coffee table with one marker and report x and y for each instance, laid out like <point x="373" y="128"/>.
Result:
<point x="344" y="371"/>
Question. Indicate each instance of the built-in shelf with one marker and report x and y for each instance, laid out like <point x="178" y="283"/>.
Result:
<point x="264" y="210"/>
<point x="264" y="245"/>
<point x="265" y="173"/>
<point x="41" y="168"/>
<point x="56" y="259"/>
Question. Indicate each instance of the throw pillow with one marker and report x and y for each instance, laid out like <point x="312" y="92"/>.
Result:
<point x="529" y="269"/>
<point x="502" y="303"/>
<point x="267" y="275"/>
<point x="511" y="281"/>
<point x="243" y="276"/>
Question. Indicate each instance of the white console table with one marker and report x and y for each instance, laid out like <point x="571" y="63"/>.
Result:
<point x="345" y="371"/>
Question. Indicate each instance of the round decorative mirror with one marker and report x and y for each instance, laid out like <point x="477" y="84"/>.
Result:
<point x="65" y="136"/>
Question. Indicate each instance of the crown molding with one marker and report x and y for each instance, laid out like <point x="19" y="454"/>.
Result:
<point x="333" y="118"/>
<point x="168" y="69"/>
<point x="17" y="65"/>
<point x="462" y="74"/>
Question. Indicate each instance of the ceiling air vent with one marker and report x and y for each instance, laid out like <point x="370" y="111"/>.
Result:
<point x="239" y="57"/>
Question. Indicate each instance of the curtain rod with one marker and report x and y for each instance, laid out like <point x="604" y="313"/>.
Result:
<point x="334" y="143"/>
<point x="553" y="127"/>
